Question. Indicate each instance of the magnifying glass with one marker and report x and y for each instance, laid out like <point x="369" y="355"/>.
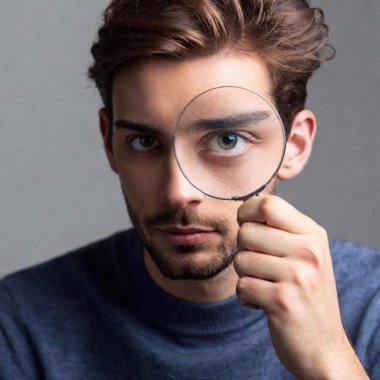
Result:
<point x="229" y="142"/>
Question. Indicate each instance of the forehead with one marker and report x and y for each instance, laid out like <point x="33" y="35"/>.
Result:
<point x="155" y="91"/>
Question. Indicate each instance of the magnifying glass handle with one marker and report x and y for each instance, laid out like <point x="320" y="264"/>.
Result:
<point x="249" y="196"/>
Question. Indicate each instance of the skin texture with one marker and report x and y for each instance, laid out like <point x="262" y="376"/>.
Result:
<point x="281" y="259"/>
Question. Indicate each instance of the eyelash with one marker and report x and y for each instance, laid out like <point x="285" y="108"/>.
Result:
<point x="129" y="140"/>
<point x="247" y="137"/>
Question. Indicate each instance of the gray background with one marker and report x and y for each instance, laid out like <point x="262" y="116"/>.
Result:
<point x="57" y="192"/>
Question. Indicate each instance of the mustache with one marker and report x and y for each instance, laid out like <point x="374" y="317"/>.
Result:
<point x="184" y="218"/>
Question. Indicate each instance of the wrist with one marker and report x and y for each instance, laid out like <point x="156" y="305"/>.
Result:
<point x="339" y="364"/>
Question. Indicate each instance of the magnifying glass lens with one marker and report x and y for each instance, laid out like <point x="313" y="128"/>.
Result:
<point x="229" y="142"/>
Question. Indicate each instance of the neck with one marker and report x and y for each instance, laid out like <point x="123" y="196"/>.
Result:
<point x="214" y="290"/>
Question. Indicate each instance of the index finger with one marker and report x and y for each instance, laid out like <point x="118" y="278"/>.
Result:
<point x="276" y="212"/>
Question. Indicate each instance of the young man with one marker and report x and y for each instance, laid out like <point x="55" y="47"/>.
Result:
<point x="201" y="288"/>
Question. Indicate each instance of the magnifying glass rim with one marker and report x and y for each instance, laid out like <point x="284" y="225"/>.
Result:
<point x="261" y="188"/>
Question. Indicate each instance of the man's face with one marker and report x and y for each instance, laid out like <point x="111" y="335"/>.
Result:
<point x="188" y="234"/>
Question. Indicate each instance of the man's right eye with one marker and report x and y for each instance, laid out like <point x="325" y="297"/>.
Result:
<point x="143" y="142"/>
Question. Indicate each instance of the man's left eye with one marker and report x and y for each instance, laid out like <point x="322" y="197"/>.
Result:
<point x="228" y="143"/>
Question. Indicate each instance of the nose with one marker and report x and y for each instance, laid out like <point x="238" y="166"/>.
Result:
<point x="177" y="192"/>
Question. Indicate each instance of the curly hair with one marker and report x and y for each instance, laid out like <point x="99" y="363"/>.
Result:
<point x="289" y="35"/>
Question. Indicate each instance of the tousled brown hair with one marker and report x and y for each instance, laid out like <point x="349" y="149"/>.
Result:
<point x="289" y="35"/>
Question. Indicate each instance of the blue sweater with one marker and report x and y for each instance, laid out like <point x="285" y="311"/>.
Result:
<point x="96" y="314"/>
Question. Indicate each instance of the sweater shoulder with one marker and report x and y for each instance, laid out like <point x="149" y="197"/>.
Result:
<point x="67" y="275"/>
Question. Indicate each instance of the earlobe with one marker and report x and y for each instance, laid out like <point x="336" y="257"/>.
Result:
<point x="104" y="126"/>
<point x="299" y="145"/>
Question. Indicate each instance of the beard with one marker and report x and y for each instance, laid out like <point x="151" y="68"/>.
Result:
<point x="180" y="264"/>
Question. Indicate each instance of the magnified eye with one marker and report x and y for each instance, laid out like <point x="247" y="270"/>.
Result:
<point x="227" y="142"/>
<point x="144" y="142"/>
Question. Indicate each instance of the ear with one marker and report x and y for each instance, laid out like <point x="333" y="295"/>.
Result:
<point x="299" y="145"/>
<point x="104" y="126"/>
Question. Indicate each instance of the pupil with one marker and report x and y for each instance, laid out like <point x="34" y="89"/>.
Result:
<point x="227" y="141"/>
<point x="146" y="142"/>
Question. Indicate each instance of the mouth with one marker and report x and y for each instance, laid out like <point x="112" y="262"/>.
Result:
<point x="186" y="236"/>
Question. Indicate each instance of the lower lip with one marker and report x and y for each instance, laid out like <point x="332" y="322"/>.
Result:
<point x="193" y="238"/>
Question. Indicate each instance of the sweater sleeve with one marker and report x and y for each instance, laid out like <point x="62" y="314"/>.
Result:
<point x="368" y="344"/>
<point x="15" y="355"/>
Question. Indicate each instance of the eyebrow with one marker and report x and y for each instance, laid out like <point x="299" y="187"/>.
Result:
<point x="201" y="125"/>
<point x="138" y="127"/>
<point x="228" y="122"/>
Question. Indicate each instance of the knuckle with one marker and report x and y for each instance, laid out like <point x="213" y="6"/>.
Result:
<point x="244" y="287"/>
<point x="268" y="205"/>
<point x="321" y="232"/>
<point x="245" y="230"/>
<point x="241" y="287"/>
<point x="302" y="278"/>
<point x="313" y="251"/>
<point x="240" y="215"/>
<point x="283" y="298"/>
<point x="239" y="263"/>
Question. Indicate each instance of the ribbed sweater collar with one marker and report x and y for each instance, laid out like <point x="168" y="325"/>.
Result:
<point x="169" y="312"/>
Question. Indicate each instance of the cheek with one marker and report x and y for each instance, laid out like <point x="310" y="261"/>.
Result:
<point x="141" y="185"/>
<point x="138" y="173"/>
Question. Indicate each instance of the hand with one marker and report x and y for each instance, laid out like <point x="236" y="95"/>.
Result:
<point x="285" y="268"/>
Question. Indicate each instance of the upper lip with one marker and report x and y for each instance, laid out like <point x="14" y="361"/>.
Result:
<point x="185" y="229"/>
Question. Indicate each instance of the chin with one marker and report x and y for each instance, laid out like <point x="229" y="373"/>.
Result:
<point x="191" y="263"/>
